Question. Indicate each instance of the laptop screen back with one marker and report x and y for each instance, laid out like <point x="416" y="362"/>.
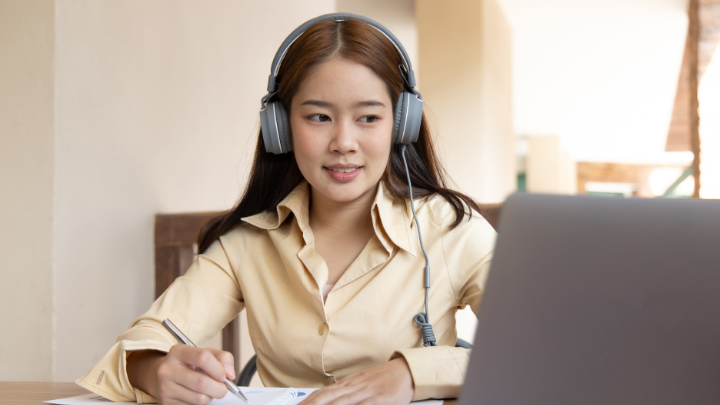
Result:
<point x="596" y="300"/>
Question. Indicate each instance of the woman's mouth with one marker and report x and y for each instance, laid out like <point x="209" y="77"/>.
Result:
<point x="343" y="174"/>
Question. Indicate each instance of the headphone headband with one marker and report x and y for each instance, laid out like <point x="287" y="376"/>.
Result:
<point x="280" y="54"/>
<point x="407" y="110"/>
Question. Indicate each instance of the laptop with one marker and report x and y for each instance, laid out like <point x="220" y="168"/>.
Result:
<point x="600" y="300"/>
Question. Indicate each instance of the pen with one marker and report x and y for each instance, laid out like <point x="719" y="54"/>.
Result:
<point x="186" y="341"/>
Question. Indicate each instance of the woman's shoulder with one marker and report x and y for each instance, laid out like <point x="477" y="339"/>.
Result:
<point x="239" y="238"/>
<point x="444" y="215"/>
<point x="237" y="244"/>
<point x="468" y="247"/>
<point x="473" y="239"/>
<point x="243" y="233"/>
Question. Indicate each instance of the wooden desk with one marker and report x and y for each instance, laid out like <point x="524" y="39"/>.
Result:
<point x="12" y="393"/>
<point x="37" y="392"/>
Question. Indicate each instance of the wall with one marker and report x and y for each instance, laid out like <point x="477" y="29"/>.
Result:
<point x="157" y="112"/>
<point x="26" y="184"/>
<point x="397" y="15"/>
<point x="709" y="97"/>
<point x="465" y="58"/>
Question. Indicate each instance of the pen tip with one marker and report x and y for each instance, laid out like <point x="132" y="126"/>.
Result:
<point x="241" y="396"/>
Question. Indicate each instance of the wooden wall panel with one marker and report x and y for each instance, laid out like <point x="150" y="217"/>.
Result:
<point x="680" y="132"/>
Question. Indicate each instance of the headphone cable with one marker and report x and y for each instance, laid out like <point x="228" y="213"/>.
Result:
<point x="423" y="318"/>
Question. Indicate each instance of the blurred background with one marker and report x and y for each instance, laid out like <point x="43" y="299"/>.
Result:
<point x="115" y="111"/>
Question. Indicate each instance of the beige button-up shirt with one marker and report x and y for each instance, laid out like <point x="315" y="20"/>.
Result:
<point x="269" y="267"/>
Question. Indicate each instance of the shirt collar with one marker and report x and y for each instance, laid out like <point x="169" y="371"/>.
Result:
<point x="297" y="202"/>
<point x="392" y="219"/>
<point x="395" y="220"/>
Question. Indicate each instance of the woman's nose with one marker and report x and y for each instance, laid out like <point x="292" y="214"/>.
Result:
<point x="344" y="139"/>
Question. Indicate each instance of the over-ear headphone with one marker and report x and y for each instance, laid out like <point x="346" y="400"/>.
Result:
<point x="273" y="115"/>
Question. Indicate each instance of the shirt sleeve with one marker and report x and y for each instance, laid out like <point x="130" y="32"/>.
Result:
<point x="439" y="371"/>
<point x="200" y="303"/>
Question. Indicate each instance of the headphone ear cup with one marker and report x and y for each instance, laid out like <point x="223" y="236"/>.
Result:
<point x="408" y="116"/>
<point x="414" y="118"/>
<point x="398" y="120"/>
<point x="269" y="132"/>
<point x="273" y="123"/>
<point x="283" y="128"/>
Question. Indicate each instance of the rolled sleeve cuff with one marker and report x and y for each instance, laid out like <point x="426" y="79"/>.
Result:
<point x="438" y="371"/>
<point x="109" y="377"/>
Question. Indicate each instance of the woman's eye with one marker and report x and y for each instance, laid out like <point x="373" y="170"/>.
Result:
<point x="369" y="119"/>
<point x="319" y="118"/>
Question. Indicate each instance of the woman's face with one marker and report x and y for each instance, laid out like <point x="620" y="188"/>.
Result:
<point x="341" y="120"/>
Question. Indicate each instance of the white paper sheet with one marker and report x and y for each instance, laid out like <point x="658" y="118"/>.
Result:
<point x="86" y="399"/>
<point x="256" y="396"/>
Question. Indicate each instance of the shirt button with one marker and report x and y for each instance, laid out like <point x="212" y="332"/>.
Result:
<point x="329" y="380"/>
<point x="322" y="329"/>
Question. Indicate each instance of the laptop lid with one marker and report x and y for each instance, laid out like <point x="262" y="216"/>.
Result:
<point x="598" y="300"/>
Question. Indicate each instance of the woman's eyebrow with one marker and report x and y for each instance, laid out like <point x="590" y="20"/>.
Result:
<point x="325" y="104"/>
<point x="370" y="103"/>
<point x="317" y="103"/>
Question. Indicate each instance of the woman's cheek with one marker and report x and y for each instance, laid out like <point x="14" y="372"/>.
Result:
<point x="302" y="142"/>
<point x="381" y="150"/>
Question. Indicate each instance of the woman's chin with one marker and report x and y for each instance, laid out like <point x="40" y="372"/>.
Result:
<point x="347" y="192"/>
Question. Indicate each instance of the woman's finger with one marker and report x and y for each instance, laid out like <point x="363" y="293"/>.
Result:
<point x="199" y="358"/>
<point x="370" y="401"/>
<point x="353" y="397"/>
<point x="193" y="380"/>
<point x="181" y="395"/>
<point x="326" y="395"/>
<point x="227" y="360"/>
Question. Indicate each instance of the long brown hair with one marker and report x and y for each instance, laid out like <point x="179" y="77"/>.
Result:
<point x="273" y="177"/>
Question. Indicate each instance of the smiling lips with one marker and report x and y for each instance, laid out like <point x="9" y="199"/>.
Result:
<point x="343" y="173"/>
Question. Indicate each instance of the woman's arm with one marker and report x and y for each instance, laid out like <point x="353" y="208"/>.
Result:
<point x="142" y="369"/>
<point x="129" y="371"/>
<point x="185" y="373"/>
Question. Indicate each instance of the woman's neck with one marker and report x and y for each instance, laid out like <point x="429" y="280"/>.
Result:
<point x="339" y="218"/>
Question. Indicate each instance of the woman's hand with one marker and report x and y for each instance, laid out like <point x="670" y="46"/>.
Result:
<point x="389" y="383"/>
<point x="186" y="375"/>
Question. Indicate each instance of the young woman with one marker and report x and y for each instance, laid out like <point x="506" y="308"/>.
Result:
<point x="322" y="251"/>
